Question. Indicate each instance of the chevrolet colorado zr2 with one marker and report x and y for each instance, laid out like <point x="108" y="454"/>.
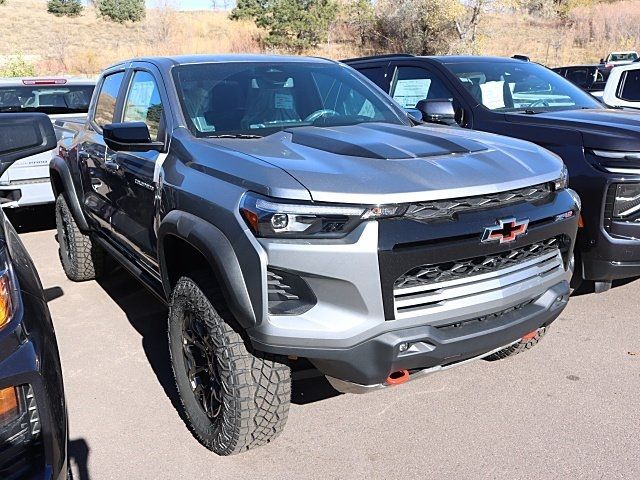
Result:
<point x="286" y="208"/>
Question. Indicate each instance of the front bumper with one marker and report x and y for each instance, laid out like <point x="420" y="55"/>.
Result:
<point x="26" y="193"/>
<point x="354" y="329"/>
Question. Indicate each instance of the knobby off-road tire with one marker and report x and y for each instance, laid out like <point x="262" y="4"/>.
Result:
<point x="251" y="405"/>
<point x="521" y="346"/>
<point x="81" y="259"/>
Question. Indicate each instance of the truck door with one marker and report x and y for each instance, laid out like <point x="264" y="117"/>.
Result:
<point x="133" y="221"/>
<point x="101" y="180"/>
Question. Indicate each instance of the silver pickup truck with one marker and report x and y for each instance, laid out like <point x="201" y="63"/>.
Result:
<point x="286" y="209"/>
<point x="26" y="182"/>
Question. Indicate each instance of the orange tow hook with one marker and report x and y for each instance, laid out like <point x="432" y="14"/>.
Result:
<point x="396" y="378"/>
<point x="530" y="336"/>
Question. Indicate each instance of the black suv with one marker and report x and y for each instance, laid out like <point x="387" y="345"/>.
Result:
<point x="600" y="146"/>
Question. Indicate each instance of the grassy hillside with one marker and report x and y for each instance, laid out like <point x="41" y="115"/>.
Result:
<point x="84" y="45"/>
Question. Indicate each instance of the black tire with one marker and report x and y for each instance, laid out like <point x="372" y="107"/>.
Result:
<point x="241" y="400"/>
<point x="81" y="259"/>
<point x="516" y="348"/>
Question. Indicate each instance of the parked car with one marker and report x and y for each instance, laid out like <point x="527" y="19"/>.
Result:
<point x="590" y="78"/>
<point x="33" y="416"/>
<point x="285" y="208"/>
<point x="27" y="183"/>
<point x="623" y="87"/>
<point x="615" y="59"/>
<point x="527" y="101"/>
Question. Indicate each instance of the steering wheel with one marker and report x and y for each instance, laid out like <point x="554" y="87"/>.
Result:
<point x="321" y="113"/>
<point x="539" y="103"/>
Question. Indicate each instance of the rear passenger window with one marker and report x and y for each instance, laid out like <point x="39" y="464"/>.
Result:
<point x="143" y="103"/>
<point x="106" y="106"/>
<point x="630" y="86"/>
<point x="412" y="84"/>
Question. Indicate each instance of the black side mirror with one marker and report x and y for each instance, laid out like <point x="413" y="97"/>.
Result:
<point x="23" y="135"/>
<point x="602" y="60"/>
<point x="437" y="111"/>
<point x="130" y="137"/>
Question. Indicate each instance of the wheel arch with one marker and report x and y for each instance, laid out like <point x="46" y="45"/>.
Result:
<point x="62" y="182"/>
<point x="184" y="242"/>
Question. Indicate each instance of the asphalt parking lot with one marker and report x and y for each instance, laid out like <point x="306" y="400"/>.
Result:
<point x="567" y="409"/>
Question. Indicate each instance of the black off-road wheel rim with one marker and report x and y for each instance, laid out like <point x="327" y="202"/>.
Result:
<point x="201" y="366"/>
<point x="64" y="235"/>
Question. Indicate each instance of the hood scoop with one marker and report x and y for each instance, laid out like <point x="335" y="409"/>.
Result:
<point x="382" y="141"/>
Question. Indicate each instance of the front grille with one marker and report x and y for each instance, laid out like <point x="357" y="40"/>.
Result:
<point x="439" y="209"/>
<point x="442" y="272"/>
<point x="459" y="285"/>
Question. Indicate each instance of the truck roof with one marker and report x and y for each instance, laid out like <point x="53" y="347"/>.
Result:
<point x="172" y="60"/>
<point x="438" y="58"/>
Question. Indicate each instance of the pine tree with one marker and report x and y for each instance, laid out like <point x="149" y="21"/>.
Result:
<point x="295" y="25"/>
<point x="121" y="11"/>
<point x="64" y="8"/>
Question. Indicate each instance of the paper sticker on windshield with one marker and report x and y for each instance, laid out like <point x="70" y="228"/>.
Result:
<point x="284" y="101"/>
<point x="493" y="94"/>
<point x="409" y="92"/>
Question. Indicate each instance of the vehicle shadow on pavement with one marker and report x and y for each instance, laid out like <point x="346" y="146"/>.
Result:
<point x="149" y="317"/>
<point x="32" y="219"/>
<point x="79" y="456"/>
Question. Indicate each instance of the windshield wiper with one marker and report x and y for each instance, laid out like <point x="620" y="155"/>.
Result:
<point x="531" y="112"/>
<point x="235" y="135"/>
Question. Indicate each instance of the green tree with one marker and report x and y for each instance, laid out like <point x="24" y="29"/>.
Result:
<point x="62" y="8"/>
<point x="17" y="67"/>
<point x="294" y="25"/>
<point x="2" y="2"/>
<point x="121" y="11"/>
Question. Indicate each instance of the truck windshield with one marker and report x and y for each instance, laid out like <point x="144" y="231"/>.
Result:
<point x="54" y="99"/>
<point x="520" y="87"/>
<point x="259" y="98"/>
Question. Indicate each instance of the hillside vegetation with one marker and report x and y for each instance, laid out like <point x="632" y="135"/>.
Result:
<point x="85" y="44"/>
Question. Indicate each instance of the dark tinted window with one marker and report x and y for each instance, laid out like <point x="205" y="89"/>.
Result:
<point x="46" y="99"/>
<point x="412" y="84"/>
<point x="143" y="103"/>
<point x="106" y="105"/>
<point x="262" y="98"/>
<point x="581" y="76"/>
<point x="375" y="74"/>
<point x="631" y="86"/>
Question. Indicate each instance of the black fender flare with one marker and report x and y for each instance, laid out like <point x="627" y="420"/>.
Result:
<point x="60" y="167"/>
<point x="209" y="240"/>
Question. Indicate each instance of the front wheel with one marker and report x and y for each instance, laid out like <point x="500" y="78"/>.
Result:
<point x="526" y="343"/>
<point x="234" y="399"/>
<point x="81" y="258"/>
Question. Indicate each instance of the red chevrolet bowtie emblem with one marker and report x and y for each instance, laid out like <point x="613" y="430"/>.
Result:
<point x="507" y="230"/>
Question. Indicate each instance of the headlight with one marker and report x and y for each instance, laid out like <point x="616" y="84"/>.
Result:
<point x="562" y="181"/>
<point x="274" y="218"/>
<point x="627" y="200"/>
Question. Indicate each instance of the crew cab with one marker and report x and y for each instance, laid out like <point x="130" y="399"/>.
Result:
<point x="285" y="208"/>
<point x="525" y="100"/>
<point x="623" y="87"/>
<point x="590" y="78"/>
<point x="26" y="183"/>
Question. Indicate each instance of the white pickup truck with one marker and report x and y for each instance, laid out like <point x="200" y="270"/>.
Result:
<point x="623" y="87"/>
<point x="26" y="182"/>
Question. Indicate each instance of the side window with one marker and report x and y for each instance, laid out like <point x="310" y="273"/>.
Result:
<point x="376" y="75"/>
<point x="143" y="103"/>
<point x="106" y="106"/>
<point x="412" y="84"/>
<point x="630" y="86"/>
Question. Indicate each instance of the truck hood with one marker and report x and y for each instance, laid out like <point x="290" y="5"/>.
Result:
<point x="602" y="128"/>
<point x="383" y="163"/>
